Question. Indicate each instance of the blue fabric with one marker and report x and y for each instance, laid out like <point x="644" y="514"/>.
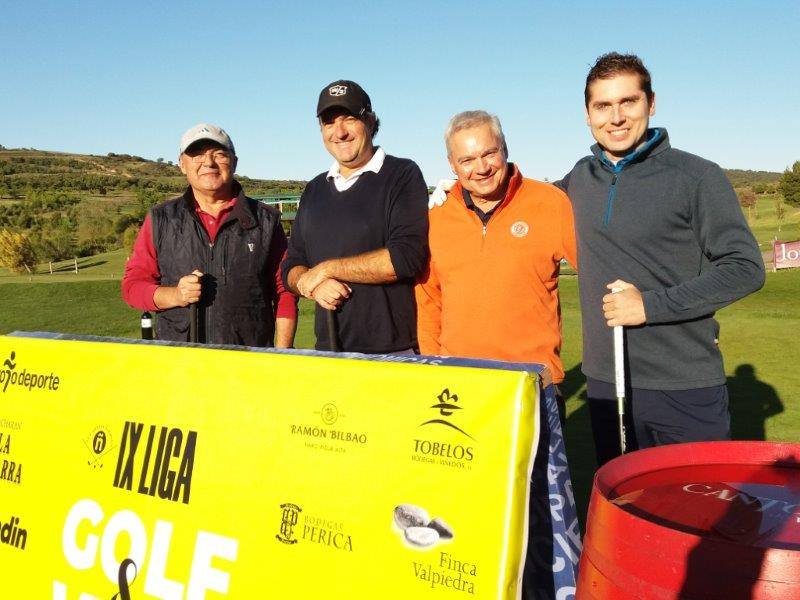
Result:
<point x="554" y="536"/>
<point x="653" y="135"/>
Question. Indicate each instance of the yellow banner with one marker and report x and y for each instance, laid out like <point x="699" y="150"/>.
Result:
<point x="153" y="471"/>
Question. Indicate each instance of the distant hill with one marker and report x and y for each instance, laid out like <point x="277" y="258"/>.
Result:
<point x="23" y="171"/>
<point x="69" y="205"/>
<point x="741" y="178"/>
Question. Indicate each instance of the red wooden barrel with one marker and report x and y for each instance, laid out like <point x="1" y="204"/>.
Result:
<point x="711" y="520"/>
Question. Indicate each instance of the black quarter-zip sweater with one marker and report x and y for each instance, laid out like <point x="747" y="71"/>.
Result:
<point x="669" y="223"/>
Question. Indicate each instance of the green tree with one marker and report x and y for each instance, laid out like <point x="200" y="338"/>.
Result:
<point x="94" y="223"/>
<point x="780" y="211"/>
<point x="124" y="221"/>
<point x="129" y="238"/>
<point x="56" y="240"/>
<point x="789" y="185"/>
<point x="147" y="199"/>
<point x="747" y="198"/>
<point x="16" y="251"/>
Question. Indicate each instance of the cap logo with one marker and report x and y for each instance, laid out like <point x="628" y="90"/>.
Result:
<point x="337" y="90"/>
<point x="519" y="229"/>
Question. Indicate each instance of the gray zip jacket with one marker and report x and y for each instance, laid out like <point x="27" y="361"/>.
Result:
<point x="669" y="223"/>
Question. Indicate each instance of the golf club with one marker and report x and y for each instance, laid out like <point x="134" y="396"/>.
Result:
<point x="619" y="377"/>
<point x="193" y="323"/>
<point x="333" y="339"/>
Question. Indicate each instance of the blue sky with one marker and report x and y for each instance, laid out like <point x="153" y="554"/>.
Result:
<point x="99" y="77"/>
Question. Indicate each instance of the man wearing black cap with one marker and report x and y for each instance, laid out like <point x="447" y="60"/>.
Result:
<point x="214" y="247"/>
<point x="360" y="235"/>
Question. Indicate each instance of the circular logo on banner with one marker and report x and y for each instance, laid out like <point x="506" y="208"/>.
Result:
<point x="329" y="414"/>
<point x="519" y="229"/>
<point x="99" y="442"/>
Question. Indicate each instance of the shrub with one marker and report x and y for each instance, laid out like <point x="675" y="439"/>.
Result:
<point x="16" y="251"/>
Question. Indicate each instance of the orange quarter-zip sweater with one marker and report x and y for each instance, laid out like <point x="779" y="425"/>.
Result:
<point x="492" y="291"/>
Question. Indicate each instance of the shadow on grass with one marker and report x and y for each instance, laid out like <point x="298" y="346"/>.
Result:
<point x="578" y="439"/>
<point x="71" y="266"/>
<point x="748" y="523"/>
<point x="752" y="402"/>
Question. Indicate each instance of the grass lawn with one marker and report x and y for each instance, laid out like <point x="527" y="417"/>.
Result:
<point x="765" y="225"/>
<point x="85" y="307"/>
<point x="758" y="342"/>
<point x="106" y="266"/>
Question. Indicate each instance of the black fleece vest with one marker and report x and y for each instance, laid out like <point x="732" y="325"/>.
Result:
<point x="236" y="300"/>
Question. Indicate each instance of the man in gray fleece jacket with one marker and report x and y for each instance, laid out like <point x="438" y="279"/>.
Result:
<point x="664" y="226"/>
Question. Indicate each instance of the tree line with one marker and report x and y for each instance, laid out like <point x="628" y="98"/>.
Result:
<point x="26" y="171"/>
<point x="55" y="206"/>
<point x="52" y="226"/>
<point x="65" y="206"/>
<point x="786" y="191"/>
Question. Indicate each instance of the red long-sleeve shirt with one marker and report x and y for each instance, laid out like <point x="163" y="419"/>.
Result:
<point x="142" y="275"/>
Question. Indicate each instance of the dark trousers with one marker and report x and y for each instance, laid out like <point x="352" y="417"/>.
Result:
<point x="656" y="417"/>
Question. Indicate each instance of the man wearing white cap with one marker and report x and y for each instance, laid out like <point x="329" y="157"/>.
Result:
<point x="214" y="247"/>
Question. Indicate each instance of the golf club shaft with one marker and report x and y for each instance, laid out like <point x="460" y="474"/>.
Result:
<point x="193" y="323"/>
<point x="619" y="361"/>
<point x="619" y="378"/>
<point x="333" y="339"/>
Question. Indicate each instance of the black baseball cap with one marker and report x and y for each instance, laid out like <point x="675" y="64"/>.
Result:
<point x="345" y="94"/>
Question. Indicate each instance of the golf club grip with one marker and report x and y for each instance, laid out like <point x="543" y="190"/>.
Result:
<point x="333" y="341"/>
<point x="193" y="323"/>
<point x="619" y="355"/>
<point x="619" y="361"/>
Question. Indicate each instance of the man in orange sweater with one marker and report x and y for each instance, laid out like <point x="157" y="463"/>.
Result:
<point x="491" y="286"/>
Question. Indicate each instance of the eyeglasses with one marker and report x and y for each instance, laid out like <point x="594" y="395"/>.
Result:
<point x="218" y="156"/>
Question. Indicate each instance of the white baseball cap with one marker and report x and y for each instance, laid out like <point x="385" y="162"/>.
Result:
<point x="205" y="131"/>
